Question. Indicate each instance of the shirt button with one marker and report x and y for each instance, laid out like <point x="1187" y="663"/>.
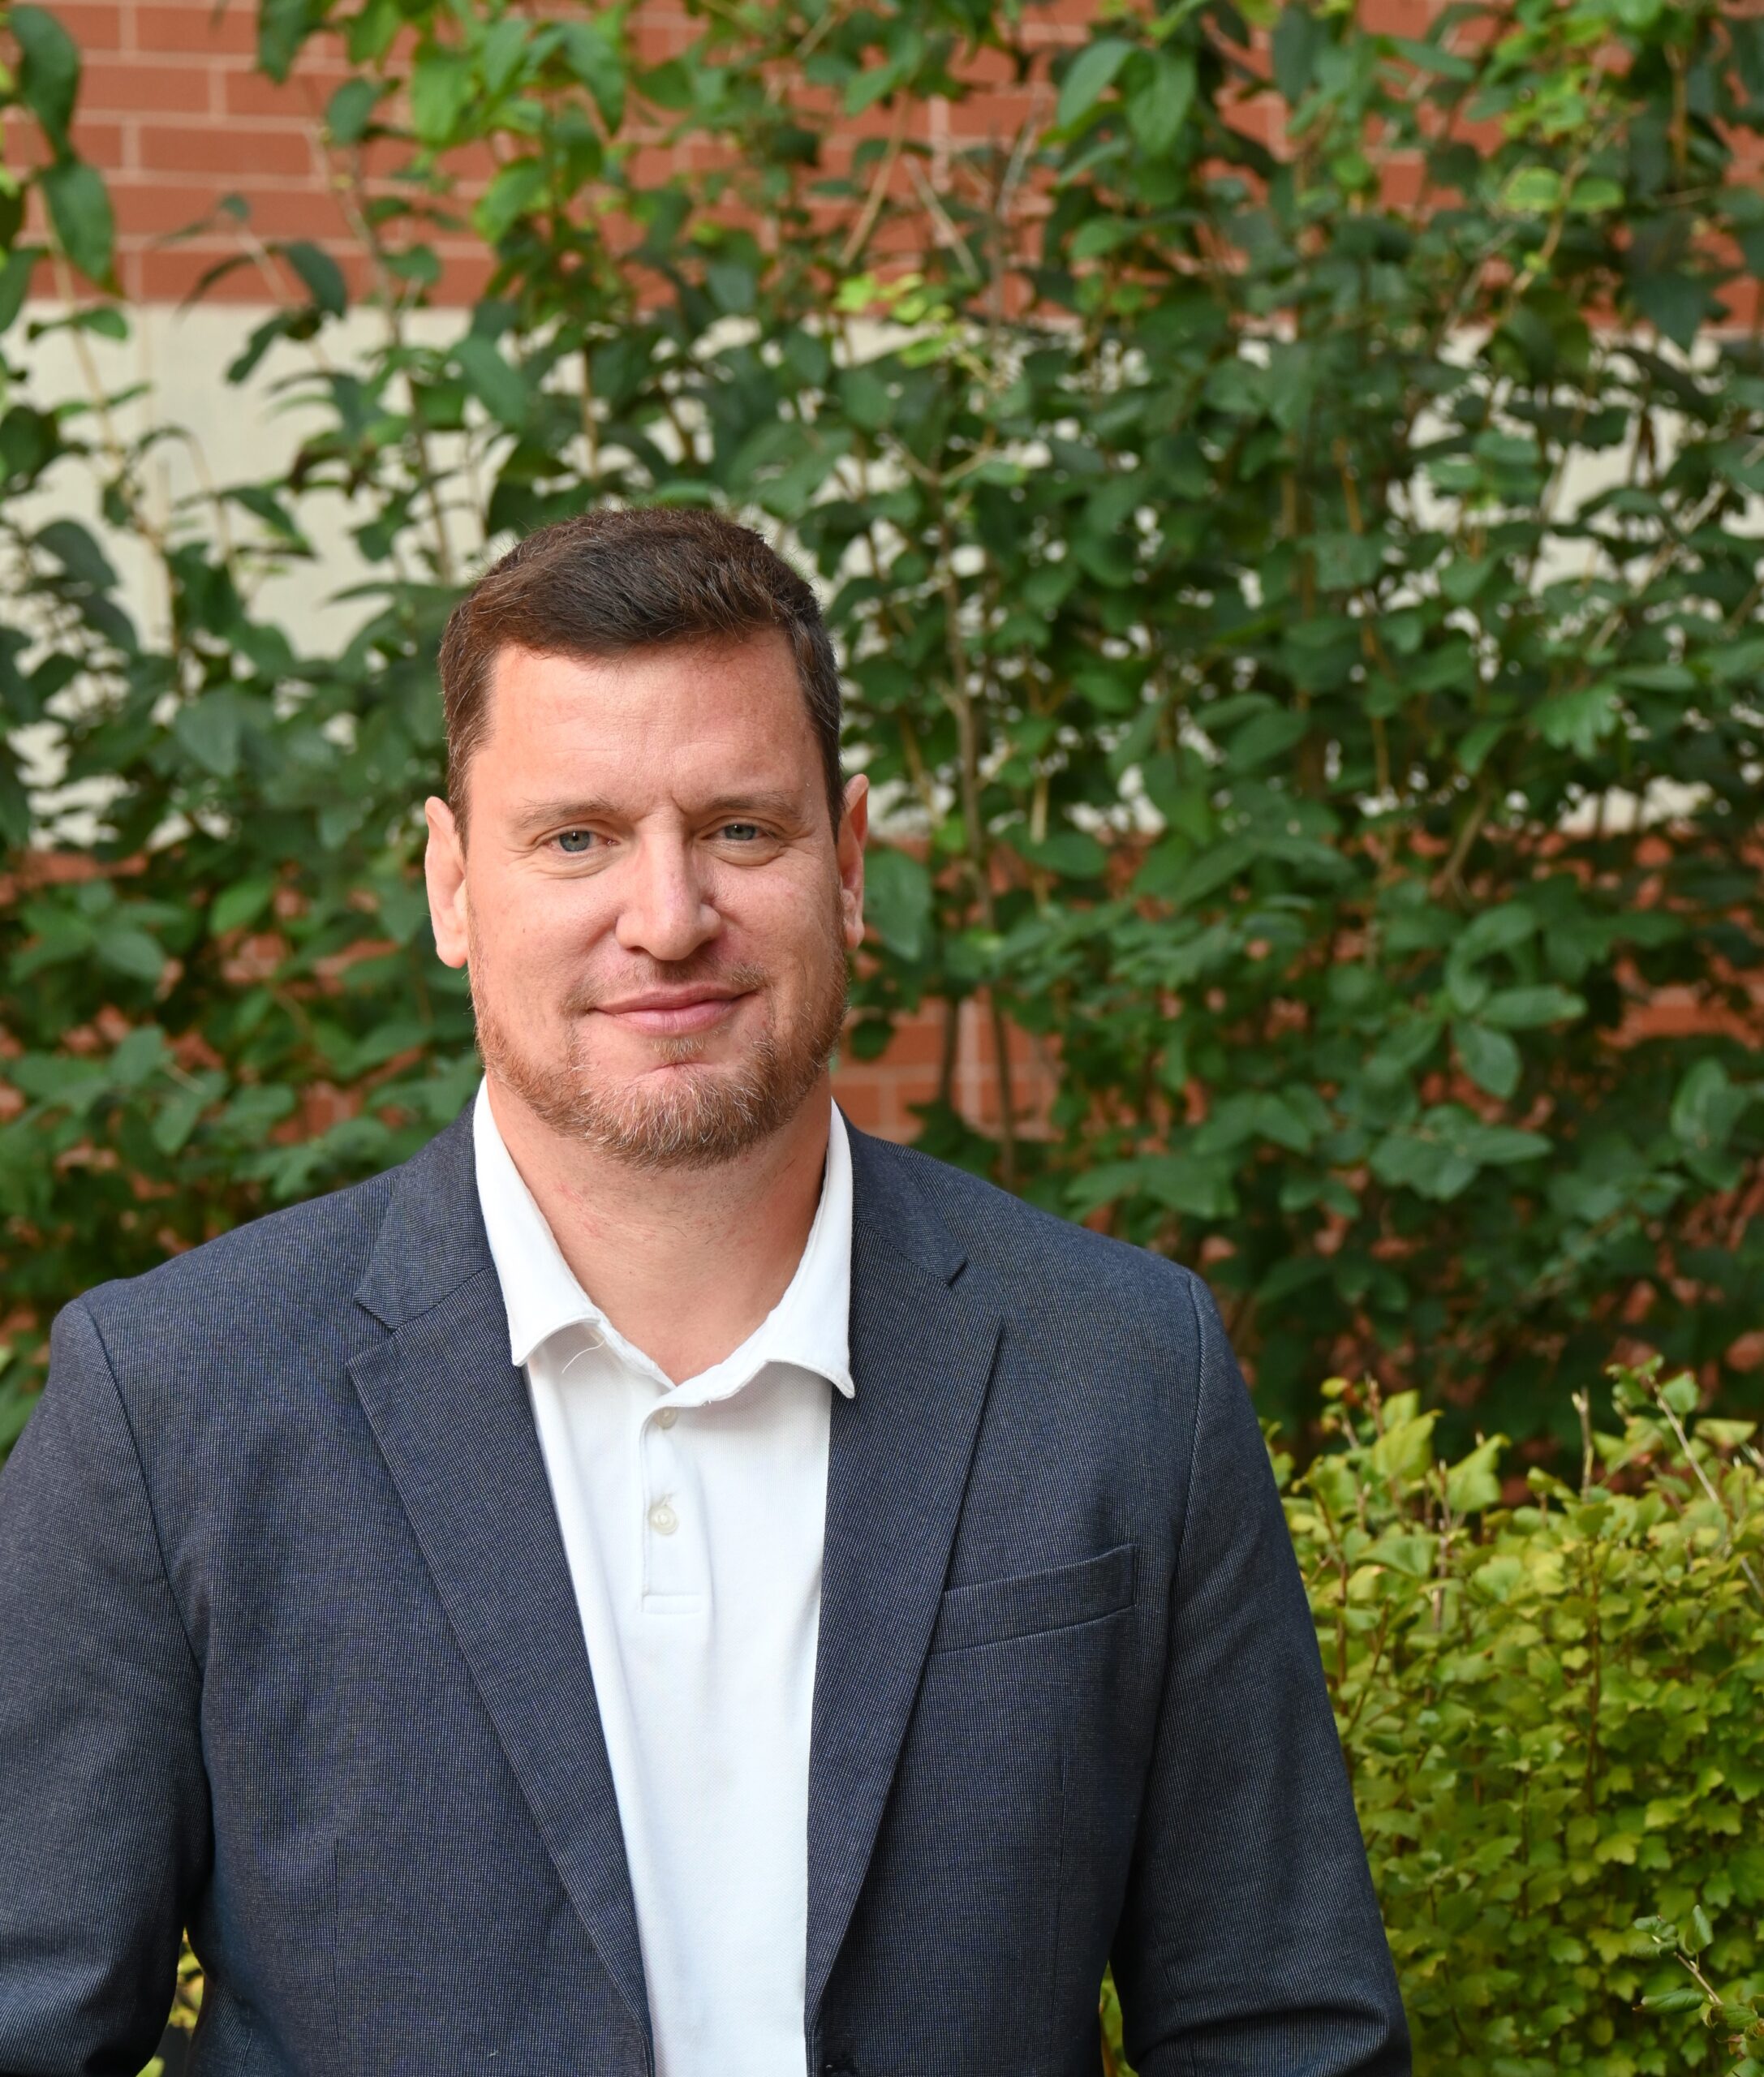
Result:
<point x="663" y="1519"/>
<point x="667" y="1417"/>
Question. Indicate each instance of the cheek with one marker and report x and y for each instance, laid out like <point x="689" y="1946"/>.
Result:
<point x="789" y="925"/>
<point x="530" y="928"/>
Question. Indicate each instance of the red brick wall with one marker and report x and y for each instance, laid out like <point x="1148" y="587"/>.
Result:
<point x="174" y="112"/>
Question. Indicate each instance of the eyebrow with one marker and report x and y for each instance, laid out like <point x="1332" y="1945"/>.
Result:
<point x="562" y="814"/>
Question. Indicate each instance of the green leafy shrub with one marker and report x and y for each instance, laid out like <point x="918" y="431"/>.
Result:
<point x="1554" y="1713"/>
<point x="1268" y="585"/>
<point x="1553" y="1710"/>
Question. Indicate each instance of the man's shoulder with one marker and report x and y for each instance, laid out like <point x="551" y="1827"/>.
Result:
<point x="1040" y="1261"/>
<point x="258" y="1280"/>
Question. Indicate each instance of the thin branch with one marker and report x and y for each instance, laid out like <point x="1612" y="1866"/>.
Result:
<point x="879" y="188"/>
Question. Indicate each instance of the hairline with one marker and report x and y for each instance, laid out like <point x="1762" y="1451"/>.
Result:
<point x="832" y="792"/>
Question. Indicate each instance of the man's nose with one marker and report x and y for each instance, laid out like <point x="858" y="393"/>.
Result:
<point x="666" y="910"/>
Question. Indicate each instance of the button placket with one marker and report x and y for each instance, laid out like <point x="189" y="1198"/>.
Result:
<point x="672" y="1559"/>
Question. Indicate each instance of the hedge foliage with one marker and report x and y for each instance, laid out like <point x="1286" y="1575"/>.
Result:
<point x="1280" y="499"/>
<point x="1554" y="1713"/>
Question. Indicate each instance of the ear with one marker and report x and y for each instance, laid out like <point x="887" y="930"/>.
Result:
<point x="444" y="868"/>
<point x="854" y="827"/>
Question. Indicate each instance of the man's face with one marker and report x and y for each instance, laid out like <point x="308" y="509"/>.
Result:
<point x="653" y="904"/>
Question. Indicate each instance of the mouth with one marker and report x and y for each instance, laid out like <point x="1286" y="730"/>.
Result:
<point x="672" y="1013"/>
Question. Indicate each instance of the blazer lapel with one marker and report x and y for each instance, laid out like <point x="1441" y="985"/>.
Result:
<point x="923" y="1344"/>
<point x="454" y="1422"/>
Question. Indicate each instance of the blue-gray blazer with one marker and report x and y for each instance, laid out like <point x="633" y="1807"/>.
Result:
<point x="289" y="1655"/>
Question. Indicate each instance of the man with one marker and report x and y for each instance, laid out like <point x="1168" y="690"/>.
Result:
<point x="662" y="1582"/>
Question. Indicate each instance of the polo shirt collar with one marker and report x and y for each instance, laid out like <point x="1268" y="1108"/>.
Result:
<point x="809" y="1328"/>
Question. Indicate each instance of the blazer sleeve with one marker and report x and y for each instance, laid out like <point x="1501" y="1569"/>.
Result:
<point x="1251" y="1938"/>
<point x="103" y="1825"/>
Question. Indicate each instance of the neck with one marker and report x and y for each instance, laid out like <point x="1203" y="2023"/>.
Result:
<point x="638" y="1241"/>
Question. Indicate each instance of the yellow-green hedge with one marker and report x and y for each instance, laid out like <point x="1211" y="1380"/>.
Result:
<point x="1552" y="1702"/>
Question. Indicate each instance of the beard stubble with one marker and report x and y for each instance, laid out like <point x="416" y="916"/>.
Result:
<point x="702" y="1116"/>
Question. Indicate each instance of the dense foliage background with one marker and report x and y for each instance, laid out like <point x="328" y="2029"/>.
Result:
<point x="1283" y="506"/>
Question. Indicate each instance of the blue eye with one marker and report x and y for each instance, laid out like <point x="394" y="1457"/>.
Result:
<point x="575" y="841"/>
<point x="747" y="830"/>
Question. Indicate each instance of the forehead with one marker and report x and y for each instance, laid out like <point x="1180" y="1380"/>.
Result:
<point x="723" y="708"/>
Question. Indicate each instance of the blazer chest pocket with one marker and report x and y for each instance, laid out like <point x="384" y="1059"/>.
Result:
<point x="993" y="1611"/>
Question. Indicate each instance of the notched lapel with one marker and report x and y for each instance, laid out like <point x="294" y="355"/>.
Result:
<point x="923" y="1338"/>
<point x="453" y="1421"/>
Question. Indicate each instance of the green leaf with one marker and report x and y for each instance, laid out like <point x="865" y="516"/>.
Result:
<point x="441" y="89"/>
<point x="79" y="210"/>
<point x="897" y="900"/>
<point x="1433" y="57"/>
<point x="242" y="903"/>
<point x="1498" y="929"/>
<point x="1070" y="853"/>
<point x="1578" y="720"/>
<point x="1103" y="234"/>
<point x="518" y="187"/>
<point x="1532" y="191"/>
<point x="320" y="275"/>
<point x="1265" y="737"/>
<point x="1676" y="304"/>
<point x="276" y="326"/>
<point x="1594" y="196"/>
<point x="282" y="27"/>
<point x="49" y="71"/>
<point x="1523" y="1009"/>
<point x="15" y="281"/>
<point x="1194" y="1187"/>
<point x="501" y="389"/>
<point x="1405" y="1451"/>
<point x="130" y="950"/>
<point x="1491" y="1059"/>
<point x="210" y="729"/>
<point x="598" y="63"/>
<point x="1708" y="1106"/>
<point x="79" y="554"/>
<point x="1680" y="1393"/>
<point x="349" y="111"/>
<point x="1686" y="1999"/>
<point x="265" y="505"/>
<point x="1299" y="40"/>
<point x="1157" y="108"/>
<point x="1472" y="1484"/>
<point x="733" y="286"/>
<point x="1473" y="751"/>
<point x="139" y="1054"/>
<point x="1088" y="77"/>
<point x="502" y="53"/>
<point x="177" y="1117"/>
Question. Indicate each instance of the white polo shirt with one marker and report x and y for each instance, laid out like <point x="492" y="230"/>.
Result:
<point x="692" y="1519"/>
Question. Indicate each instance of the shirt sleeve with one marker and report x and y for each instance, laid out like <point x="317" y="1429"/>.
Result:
<point x="104" y="1824"/>
<point x="1251" y="1938"/>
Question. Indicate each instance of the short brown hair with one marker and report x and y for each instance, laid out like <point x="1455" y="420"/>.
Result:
<point x="608" y="582"/>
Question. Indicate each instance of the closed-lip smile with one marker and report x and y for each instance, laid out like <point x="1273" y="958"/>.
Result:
<point x="673" y="1012"/>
